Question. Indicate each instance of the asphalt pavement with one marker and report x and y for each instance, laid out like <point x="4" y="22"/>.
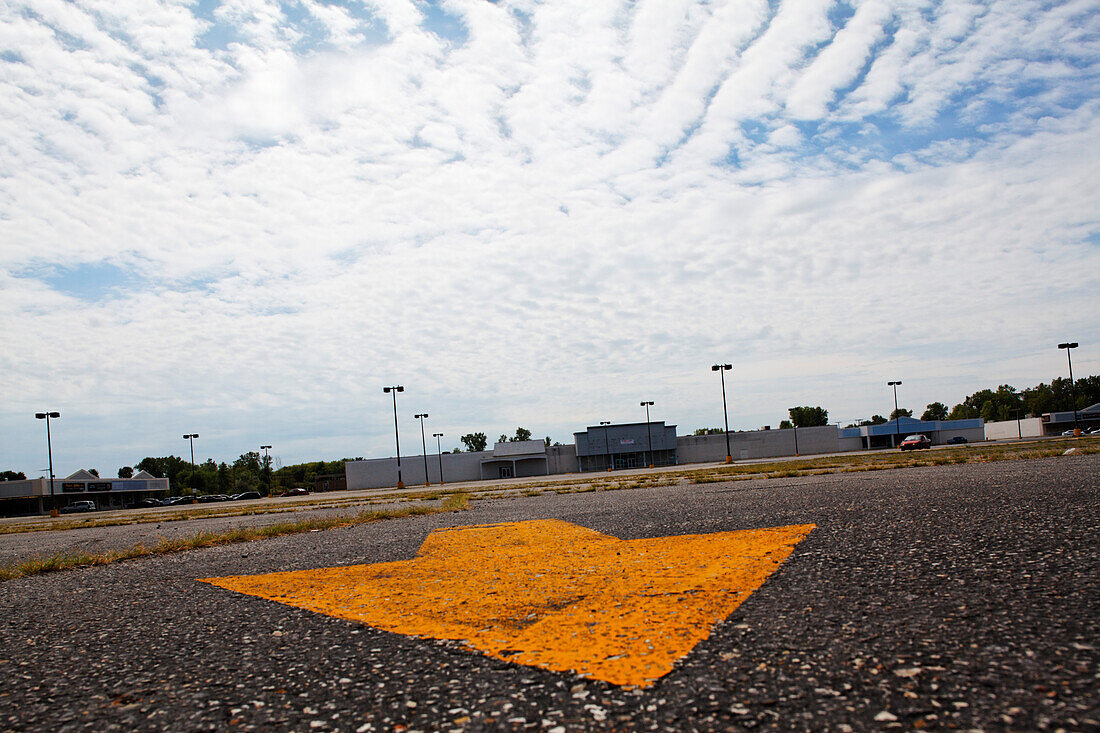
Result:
<point x="946" y="597"/>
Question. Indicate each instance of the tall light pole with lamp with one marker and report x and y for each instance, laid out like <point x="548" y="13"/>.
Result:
<point x="267" y="465"/>
<point x="795" y="426"/>
<point x="439" y="452"/>
<point x="897" y="415"/>
<point x="49" y="450"/>
<point x="648" y="432"/>
<point x="424" y="445"/>
<point x="607" y="442"/>
<point x="722" y="369"/>
<point x="396" y="435"/>
<point x="190" y="438"/>
<point x="1072" y="390"/>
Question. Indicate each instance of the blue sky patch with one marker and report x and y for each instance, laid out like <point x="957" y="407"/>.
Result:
<point x="90" y="281"/>
<point x="443" y="24"/>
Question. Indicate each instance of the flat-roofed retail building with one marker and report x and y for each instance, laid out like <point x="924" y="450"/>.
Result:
<point x="626" y="445"/>
<point x="30" y="496"/>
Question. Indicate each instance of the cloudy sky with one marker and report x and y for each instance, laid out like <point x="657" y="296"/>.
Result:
<point x="243" y="218"/>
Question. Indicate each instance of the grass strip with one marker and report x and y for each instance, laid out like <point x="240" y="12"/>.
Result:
<point x="70" y="561"/>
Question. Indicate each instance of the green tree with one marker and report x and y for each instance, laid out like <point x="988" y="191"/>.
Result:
<point x="246" y="472"/>
<point x="990" y="405"/>
<point x="546" y="441"/>
<point x="901" y="412"/>
<point x="522" y="434"/>
<point x="809" y="417"/>
<point x="785" y="424"/>
<point x="167" y="467"/>
<point x="126" y="472"/>
<point x="12" y="476"/>
<point x="474" y="441"/>
<point x="935" y="411"/>
<point x="875" y="420"/>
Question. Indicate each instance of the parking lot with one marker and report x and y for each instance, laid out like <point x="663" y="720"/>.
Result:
<point x="955" y="596"/>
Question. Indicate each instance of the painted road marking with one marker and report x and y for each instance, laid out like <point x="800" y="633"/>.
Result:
<point x="548" y="593"/>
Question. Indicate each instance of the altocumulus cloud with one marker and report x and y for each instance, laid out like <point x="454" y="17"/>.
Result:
<point x="242" y="218"/>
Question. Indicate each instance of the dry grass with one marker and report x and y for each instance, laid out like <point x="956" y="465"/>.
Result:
<point x="68" y="561"/>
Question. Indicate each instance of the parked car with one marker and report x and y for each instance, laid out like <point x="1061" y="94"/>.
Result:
<point x="957" y="440"/>
<point x="246" y="495"/>
<point x="916" y="442"/>
<point x="78" y="506"/>
<point x="145" y="503"/>
<point x="297" y="491"/>
<point x="1068" y="432"/>
<point x="173" y="501"/>
<point x="210" y="498"/>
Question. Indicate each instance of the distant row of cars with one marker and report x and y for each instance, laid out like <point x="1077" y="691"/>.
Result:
<point x="918" y="441"/>
<point x="1091" y="431"/>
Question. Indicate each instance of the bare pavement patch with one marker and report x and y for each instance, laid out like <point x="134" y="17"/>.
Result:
<point x="955" y="596"/>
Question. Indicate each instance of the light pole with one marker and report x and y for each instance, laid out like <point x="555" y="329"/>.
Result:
<point x="897" y="416"/>
<point x="190" y="438"/>
<point x="1072" y="390"/>
<point x="795" y="426"/>
<point x="49" y="450"/>
<point x="396" y="436"/>
<point x="648" y="432"/>
<point x="267" y="466"/>
<point x="439" y="452"/>
<point x="722" y="369"/>
<point x="424" y="445"/>
<point x="607" y="442"/>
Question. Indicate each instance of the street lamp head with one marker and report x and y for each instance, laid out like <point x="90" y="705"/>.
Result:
<point x="437" y="435"/>
<point x="893" y="384"/>
<point x="265" y="447"/>
<point x="605" y="422"/>
<point x="718" y="367"/>
<point x="40" y="415"/>
<point x="643" y="403"/>
<point x="1068" y="345"/>
<point x="420" y="415"/>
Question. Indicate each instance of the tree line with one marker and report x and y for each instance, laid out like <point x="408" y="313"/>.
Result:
<point x="250" y="472"/>
<point x="1004" y="403"/>
<point x="476" y="442"/>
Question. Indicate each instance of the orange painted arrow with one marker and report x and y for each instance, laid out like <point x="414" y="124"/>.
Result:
<point x="548" y="593"/>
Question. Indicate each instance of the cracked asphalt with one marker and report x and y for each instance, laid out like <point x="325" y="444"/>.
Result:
<point x="947" y="597"/>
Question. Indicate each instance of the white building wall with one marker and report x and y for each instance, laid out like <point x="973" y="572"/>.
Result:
<point x="756" y="444"/>
<point x="378" y="473"/>
<point x="1031" y="427"/>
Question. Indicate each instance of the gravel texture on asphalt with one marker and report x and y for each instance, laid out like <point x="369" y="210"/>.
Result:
<point x="963" y="596"/>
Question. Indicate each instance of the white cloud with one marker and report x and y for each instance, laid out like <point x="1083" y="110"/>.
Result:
<point x="577" y="206"/>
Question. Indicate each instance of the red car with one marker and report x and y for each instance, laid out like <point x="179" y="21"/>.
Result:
<point x="916" y="442"/>
<point x="295" y="492"/>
